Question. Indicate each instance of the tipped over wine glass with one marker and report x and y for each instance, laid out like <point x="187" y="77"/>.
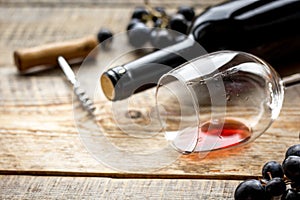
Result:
<point x="219" y="100"/>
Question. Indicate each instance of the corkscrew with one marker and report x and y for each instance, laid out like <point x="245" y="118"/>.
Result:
<point x="86" y="102"/>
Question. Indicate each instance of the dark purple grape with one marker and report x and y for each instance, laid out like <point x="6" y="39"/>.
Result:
<point x="293" y="151"/>
<point x="291" y="167"/>
<point x="187" y="11"/>
<point x="132" y="23"/>
<point x="138" y="35"/>
<point x="161" y="38"/>
<point x="250" y="190"/>
<point x="140" y="13"/>
<point x="276" y="187"/>
<point x="274" y="168"/>
<point x="104" y="36"/>
<point x="291" y="194"/>
<point x="178" y="23"/>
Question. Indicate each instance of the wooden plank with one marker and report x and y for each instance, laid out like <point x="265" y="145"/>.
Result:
<point x="38" y="134"/>
<point x="37" y="130"/>
<point x="24" y="27"/>
<point x="108" y="3"/>
<point x="37" y="187"/>
<point x="31" y="26"/>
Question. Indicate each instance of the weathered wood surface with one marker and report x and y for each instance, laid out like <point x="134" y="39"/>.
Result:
<point x="37" y="126"/>
<point x="106" y="3"/>
<point x="28" y="187"/>
<point x="38" y="134"/>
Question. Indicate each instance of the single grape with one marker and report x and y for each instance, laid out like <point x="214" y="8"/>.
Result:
<point x="178" y="23"/>
<point x="293" y="151"/>
<point x="140" y="13"/>
<point x="132" y="23"/>
<point x="161" y="38"/>
<point x="290" y="194"/>
<point x="104" y="36"/>
<point x="187" y="11"/>
<point x="291" y="167"/>
<point x="251" y="190"/>
<point x="276" y="187"/>
<point x="138" y="35"/>
<point x="274" y="168"/>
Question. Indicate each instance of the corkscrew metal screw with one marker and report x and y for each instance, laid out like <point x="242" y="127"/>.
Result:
<point x="86" y="102"/>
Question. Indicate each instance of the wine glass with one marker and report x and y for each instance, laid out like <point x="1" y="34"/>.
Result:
<point x="219" y="100"/>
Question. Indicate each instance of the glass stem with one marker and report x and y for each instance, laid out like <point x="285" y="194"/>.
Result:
<point x="291" y="80"/>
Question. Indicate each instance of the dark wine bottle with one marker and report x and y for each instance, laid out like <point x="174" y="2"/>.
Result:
<point x="267" y="29"/>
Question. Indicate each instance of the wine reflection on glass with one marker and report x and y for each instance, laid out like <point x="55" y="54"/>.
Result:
<point x="220" y="100"/>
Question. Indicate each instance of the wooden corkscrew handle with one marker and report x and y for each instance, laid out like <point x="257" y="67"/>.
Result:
<point x="46" y="55"/>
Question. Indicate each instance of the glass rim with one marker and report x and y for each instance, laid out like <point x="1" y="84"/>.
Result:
<point x="180" y="80"/>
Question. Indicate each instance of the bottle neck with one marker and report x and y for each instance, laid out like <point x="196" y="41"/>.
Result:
<point x="122" y="81"/>
<point x="171" y="56"/>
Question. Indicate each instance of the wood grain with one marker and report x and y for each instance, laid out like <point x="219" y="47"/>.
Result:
<point x="37" y="130"/>
<point x="107" y="3"/>
<point x="38" y="133"/>
<point x="36" y="187"/>
<point x="41" y="153"/>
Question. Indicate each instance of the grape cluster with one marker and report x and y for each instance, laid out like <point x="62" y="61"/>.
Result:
<point x="153" y="24"/>
<point x="278" y="182"/>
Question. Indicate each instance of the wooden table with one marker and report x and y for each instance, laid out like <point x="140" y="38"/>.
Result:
<point x="41" y="154"/>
